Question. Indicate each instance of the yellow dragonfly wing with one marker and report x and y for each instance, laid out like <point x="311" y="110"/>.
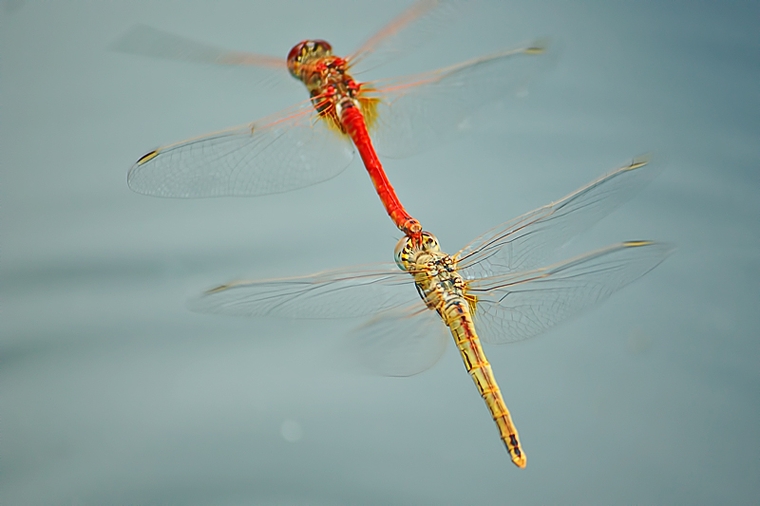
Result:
<point x="533" y="239"/>
<point x="403" y="337"/>
<point x="400" y="342"/>
<point x="516" y="306"/>
<point x="337" y="293"/>
<point x="515" y="298"/>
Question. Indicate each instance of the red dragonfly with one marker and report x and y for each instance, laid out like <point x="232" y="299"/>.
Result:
<point x="312" y="141"/>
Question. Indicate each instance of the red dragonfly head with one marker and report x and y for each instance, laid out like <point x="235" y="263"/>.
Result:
<point x="305" y="51"/>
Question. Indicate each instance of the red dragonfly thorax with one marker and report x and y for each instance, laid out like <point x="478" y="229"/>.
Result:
<point x="345" y="107"/>
<point x="312" y="62"/>
<point x="326" y="78"/>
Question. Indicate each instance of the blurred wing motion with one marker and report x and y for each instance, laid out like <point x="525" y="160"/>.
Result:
<point x="417" y="112"/>
<point x="395" y="39"/>
<point x="511" y="304"/>
<point x="145" y="40"/>
<point x="414" y="27"/>
<point x="274" y="155"/>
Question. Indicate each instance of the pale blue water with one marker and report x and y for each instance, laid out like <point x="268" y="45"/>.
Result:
<point x="111" y="392"/>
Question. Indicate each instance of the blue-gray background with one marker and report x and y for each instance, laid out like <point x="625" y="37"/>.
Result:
<point x="111" y="392"/>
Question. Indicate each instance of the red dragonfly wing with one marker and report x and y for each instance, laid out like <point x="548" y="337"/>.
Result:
<point x="144" y="40"/>
<point x="404" y="337"/>
<point x="416" y="112"/>
<point x="409" y="29"/>
<point x="414" y="27"/>
<point x="148" y="41"/>
<point x="291" y="150"/>
<point x="516" y="306"/>
<point x="529" y="241"/>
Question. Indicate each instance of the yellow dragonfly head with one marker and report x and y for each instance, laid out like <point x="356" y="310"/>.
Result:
<point x="409" y="249"/>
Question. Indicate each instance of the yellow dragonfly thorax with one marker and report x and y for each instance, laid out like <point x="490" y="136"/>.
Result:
<point x="435" y="273"/>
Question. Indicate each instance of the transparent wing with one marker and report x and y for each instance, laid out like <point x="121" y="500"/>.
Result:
<point x="291" y="150"/>
<point x="403" y="339"/>
<point x="400" y="342"/>
<point x="144" y="40"/>
<point x="513" y="307"/>
<point x="339" y="293"/>
<point x="410" y="29"/>
<point x="416" y="112"/>
<point x="528" y="241"/>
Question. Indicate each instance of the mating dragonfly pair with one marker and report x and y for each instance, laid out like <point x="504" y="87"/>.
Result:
<point x="496" y="289"/>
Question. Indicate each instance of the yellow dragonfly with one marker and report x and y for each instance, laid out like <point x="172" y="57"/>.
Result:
<point x="497" y="289"/>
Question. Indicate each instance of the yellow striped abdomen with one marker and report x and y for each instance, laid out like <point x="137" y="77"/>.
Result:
<point x="457" y="317"/>
<point x="444" y="290"/>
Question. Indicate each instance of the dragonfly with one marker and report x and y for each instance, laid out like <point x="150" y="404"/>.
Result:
<point x="316" y="140"/>
<point x="497" y="289"/>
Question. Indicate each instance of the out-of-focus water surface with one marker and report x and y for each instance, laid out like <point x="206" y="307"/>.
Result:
<point x="111" y="392"/>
